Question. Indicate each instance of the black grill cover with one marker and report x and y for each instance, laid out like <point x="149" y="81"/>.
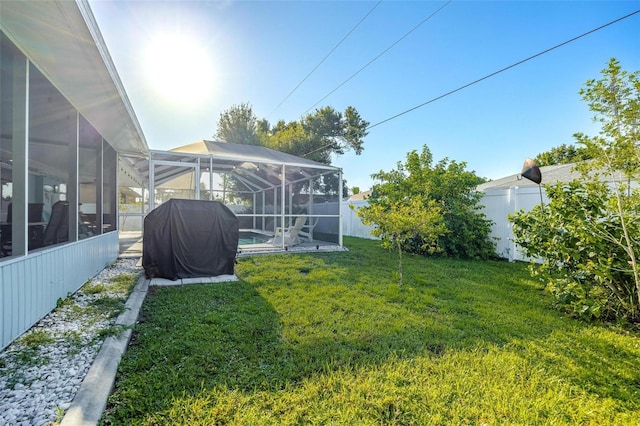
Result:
<point x="189" y="238"/>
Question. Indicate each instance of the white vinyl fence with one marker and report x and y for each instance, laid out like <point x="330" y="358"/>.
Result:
<point x="352" y="224"/>
<point x="498" y="204"/>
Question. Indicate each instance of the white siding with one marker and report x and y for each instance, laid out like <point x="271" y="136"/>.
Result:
<point x="31" y="285"/>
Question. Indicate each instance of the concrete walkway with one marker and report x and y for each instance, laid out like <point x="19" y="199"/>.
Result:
<point x="130" y="244"/>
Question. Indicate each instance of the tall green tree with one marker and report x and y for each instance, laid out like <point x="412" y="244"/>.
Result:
<point x="321" y="134"/>
<point x="447" y="185"/>
<point x="316" y="136"/>
<point x="588" y="236"/>
<point x="238" y="124"/>
<point x="563" y="154"/>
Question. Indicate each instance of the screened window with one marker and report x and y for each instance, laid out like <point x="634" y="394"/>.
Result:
<point x="52" y="154"/>
<point x="90" y="144"/>
<point x="57" y="175"/>
<point x="12" y="134"/>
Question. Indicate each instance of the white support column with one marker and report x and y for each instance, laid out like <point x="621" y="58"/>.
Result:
<point x="211" y="178"/>
<point x="290" y="201"/>
<point x="142" y="212"/>
<point x="283" y="194"/>
<point x="152" y="183"/>
<point x="253" y="210"/>
<point x="20" y="147"/>
<point x="264" y="206"/>
<point x="340" y="207"/>
<point x="196" y="178"/>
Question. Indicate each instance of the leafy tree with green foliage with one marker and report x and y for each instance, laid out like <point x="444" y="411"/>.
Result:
<point x="563" y="154"/>
<point x="403" y="220"/>
<point x="587" y="236"/>
<point x="319" y="135"/>
<point x="238" y="125"/>
<point x="446" y="185"/>
<point x="316" y="136"/>
<point x="453" y="188"/>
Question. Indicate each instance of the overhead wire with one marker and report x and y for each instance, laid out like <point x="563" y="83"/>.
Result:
<point x="381" y="54"/>
<point x="503" y="69"/>
<point x="325" y="58"/>
<point x="492" y="74"/>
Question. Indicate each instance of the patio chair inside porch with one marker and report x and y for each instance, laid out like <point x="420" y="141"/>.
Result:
<point x="290" y="235"/>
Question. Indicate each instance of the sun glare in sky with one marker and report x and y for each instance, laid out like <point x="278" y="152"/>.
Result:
<point x="179" y="69"/>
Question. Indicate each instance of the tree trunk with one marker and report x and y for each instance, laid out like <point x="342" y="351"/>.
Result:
<point x="399" y="264"/>
<point x="630" y="251"/>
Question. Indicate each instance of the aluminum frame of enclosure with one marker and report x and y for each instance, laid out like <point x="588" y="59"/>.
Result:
<point x="271" y="182"/>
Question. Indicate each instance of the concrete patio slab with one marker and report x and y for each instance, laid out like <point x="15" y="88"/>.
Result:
<point x="199" y="280"/>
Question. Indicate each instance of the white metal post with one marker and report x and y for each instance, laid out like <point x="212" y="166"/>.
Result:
<point x="211" y="178"/>
<point x="283" y="194"/>
<point x="152" y="183"/>
<point x="197" y="178"/>
<point x="340" y="207"/>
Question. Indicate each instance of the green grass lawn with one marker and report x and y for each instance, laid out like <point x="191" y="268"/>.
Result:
<point x="332" y="339"/>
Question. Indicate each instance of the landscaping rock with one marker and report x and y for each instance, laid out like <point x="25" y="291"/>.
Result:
<point x="33" y="389"/>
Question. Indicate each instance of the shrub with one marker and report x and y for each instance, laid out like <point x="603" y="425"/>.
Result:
<point x="588" y="236"/>
<point x="446" y="187"/>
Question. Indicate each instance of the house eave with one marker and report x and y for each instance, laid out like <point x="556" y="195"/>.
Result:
<point x="62" y="39"/>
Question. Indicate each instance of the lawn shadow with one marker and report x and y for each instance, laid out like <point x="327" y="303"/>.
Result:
<point x="284" y="323"/>
<point x="599" y="359"/>
<point x="471" y="309"/>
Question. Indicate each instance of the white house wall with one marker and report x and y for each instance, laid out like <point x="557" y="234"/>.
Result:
<point x="30" y="286"/>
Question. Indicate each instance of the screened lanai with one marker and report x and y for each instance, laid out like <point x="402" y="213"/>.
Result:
<point x="266" y="189"/>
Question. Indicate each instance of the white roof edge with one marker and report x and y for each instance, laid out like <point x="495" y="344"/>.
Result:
<point x="311" y="164"/>
<point x="247" y="158"/>
<point x="101" y="45"/>
<point x="44" y="32"/>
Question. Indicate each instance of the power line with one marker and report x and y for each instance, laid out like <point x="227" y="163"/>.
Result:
<point x="382" y="53"/>
<point x="490" y="75"/>
<point x="502" y="70"/>
<point x="325" y="58"/>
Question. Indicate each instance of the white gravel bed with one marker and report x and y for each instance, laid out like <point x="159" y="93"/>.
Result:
<point x="39" y="381"/>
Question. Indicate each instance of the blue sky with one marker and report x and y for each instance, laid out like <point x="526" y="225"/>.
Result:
<point x="223" y="53"/>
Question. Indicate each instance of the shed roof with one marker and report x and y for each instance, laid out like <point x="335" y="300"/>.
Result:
<point x="360" y="196"/>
